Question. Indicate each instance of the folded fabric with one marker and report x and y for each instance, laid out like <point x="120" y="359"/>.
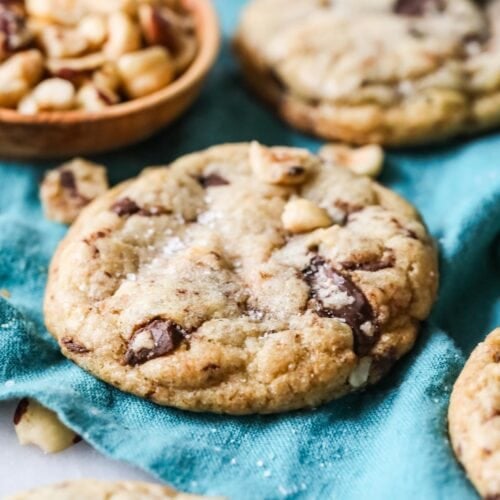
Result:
<point x="387" y="442"/>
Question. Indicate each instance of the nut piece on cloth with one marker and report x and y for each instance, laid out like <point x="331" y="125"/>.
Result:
<point x="366" y="160"/>
<point x="474" y="417"/>
<point x="93" y="489"/>
<point x="40" y="426"/>
<point x="66" y="190"/>
<point x="242" y="279"/>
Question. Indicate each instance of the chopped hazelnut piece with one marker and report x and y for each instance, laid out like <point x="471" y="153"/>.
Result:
<point x="35" y="424"/>
<point x="301" y="215"/>
<point x="145" y="71"/>
<point x="280" y="165"/>
<point x="366" y="160"/>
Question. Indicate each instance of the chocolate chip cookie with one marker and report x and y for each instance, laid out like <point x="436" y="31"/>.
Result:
<point x="474" y="417"/>
<point x="395" y="72"/>
<point x="242" y="279"/>
<point x="90" y="489"/>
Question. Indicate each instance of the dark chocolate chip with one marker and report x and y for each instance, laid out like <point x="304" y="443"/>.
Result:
<point x="124" y="207"/>
<point x="77" y="439"/>
<point x="210" y="367"/>
<point x="321" y="275"/>
<point x="166" y="335"/>
<point x="73" y="346"/>
<point x="212" y="180"/>
<point x="383" y="362"/>
<point x="496" y="357"/>
<point x="417" y="7"/>
<point x="373" y="265"/>
<point x="21" y="409"/>
<point x="68" y="180"/>
<point x="407" y="232"/>
<point x="296" y="171"/>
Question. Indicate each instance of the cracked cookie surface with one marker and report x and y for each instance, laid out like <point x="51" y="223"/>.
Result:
<point x="90" y="489"/>
<point x="242" y="279"/>
<point x="474" y="417"/>
<point x="393" y="71"/>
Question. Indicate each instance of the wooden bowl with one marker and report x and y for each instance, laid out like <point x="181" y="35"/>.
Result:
<point x="70" y="133"/>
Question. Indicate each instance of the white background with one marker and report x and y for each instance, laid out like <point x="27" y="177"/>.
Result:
<point x="23" y="467"/>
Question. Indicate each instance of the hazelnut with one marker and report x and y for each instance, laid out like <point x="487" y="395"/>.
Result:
<point x="301" y="215"/>
<point x="145" y="71"/>
<point x="124" y="36"/>
<point x="94" y="30"/>
<point x="59" y="42"/>
<point x="53" y="94"/>
<point x="92" y="98"/>
<point x="35" y="424"/>
<point x="281" y="165"/>
<point x="18" y="75"/>
<point x="359" y="376"/>
<point x="366" y="160"/>
<point x="56" y="11"/>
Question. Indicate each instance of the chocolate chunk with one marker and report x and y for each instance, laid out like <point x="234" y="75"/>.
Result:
<point x="77" y="439"/>
<point x="212" y="180"/>
<point x="383" y="362"/>
<point x="125" y="207"/>
<point x="210" y="367"/>
<point x="335" y="295"/>
<point x="73" y="346"/>
<point x="157" y="338"/>
<point x="21" y="409"/>
<point x="68" y="180"/>
<point x="296" y="171"/>
<point x="417" y="7"/>
<point x="386" y="262"/>
<point x="496" y="357"/>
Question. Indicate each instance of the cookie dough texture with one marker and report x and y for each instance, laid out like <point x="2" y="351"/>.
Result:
<point x="474" y="417"/>
<point x="183" y="285"/>
<point x="89" y="489"/>
<point x="395" y="72"/>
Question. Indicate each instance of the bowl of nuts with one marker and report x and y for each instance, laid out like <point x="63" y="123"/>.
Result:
<point x="87" y="76"/>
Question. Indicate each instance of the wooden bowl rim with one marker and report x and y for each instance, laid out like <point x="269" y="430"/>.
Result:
<point x="208" y="32"/>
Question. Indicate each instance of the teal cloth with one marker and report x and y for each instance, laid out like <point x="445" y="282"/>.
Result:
<point x="387" y="442"/>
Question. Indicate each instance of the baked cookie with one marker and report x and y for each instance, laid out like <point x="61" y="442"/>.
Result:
<point x="395" y="72"/>
<point x="90" y="489"/>
<point x="242" y="279"/>
<point x="474" y="417"/>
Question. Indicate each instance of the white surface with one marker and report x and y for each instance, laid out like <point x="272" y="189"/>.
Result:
<point x="23" y="467"/>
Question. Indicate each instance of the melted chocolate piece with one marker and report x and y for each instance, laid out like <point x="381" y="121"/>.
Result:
<point x="73" y="346"/>
<point x="296" y="171"/>
<point x="212" y="180"/>
<point x="356" y="314"/>
<point x="21" y="409"/>
<point x="372" y="266"/>
<point x="166" y="336"/>
<point x="68" y="180"/>
<point x="125" y="207"/>
<point x="417" y="7"/>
